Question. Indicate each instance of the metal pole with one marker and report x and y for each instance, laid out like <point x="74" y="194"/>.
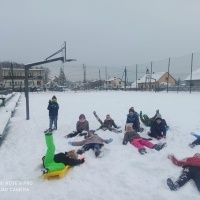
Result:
<point x="168" y="74"/>
<point x="106" y="80"/>
<point x="125" y="78"/>
<point x="136" y="77"/>
<point x="150" y="76"/>
<point x="26" y="92"/>
<point x="191" y="74"/>
<point x="12" y="74"/>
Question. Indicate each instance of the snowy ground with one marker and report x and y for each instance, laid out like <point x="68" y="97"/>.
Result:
<point x="122" y="173"/>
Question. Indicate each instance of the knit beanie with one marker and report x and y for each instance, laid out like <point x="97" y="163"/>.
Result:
<point x="158" y="116"/>
<point x="54" y="97"/>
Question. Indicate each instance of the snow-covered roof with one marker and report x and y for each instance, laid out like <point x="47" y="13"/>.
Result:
<point x="112" y="79"/>
<point x="155" y="76"/>
<point x="195" y="75"/>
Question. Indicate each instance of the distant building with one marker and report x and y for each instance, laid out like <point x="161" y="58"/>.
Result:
<point x="156" y="80"/>
<point x="195" y="79"/>
<point x="115" y="83"/>
<point x="16" y="78"/>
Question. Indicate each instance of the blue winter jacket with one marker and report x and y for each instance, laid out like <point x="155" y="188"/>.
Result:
<point x="135" y="120"/>
<point x="53" y="109"/>
<point x="197" y="136"/>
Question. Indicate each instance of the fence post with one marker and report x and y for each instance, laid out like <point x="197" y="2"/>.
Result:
<point x="191" y="74"/>
<point x="136" y="77"/>
<point x="168" y="74"/>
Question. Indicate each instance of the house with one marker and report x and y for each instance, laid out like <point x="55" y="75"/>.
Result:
<point x="115" y="83"/>
<point x="15" y="78"/>
<point x="195" y="78"/>
<point x="153" y="81"/>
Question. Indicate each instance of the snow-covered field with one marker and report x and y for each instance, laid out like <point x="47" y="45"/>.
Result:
<point x="122" y="174"/>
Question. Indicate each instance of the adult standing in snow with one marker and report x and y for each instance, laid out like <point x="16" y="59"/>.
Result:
<point x="53" y="108"/>
<point x="159" y="128"/>
<point x="134" y="138"/>
<point x="92" y="141"/>
<point x="133" y="118"/>
<point x="191" y="170"/>
<point x="82" y="127"/>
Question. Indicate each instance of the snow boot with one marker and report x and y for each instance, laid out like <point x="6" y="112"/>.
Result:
<point x="80" y="151"/>
<point x="158" y="147"/>
<point x="97" y="153"/>
<point x="171" y="185"/>
<point x="142" y="151"/>
<point x="191" y="145"/>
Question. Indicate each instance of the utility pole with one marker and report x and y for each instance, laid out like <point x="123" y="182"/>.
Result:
<point x="84" y="75"/>
<point x="106" y="78"/>
<point x="125" y="78"/>
<point x="99" y="78"/>
<point x="12" y="76"/>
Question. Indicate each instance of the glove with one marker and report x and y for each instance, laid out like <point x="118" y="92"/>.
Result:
<point x="82" y="160"/>
<point x="170" y="156"/>
<point x="70" y="143"/>
<point x="83" y="133"/>
<point x="49" y="101"/>
<point x="124" y="143"/>
<point x="109" y="141"/>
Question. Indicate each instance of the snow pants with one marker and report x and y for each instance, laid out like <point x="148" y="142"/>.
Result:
<point x="189" y="172"/>
<point x="94" y="147"/>
<point x="139" y="143"/>
<point x="53" y="120"/>
<point x="49" y="162"/>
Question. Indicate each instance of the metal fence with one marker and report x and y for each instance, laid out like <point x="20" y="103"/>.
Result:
<point x="184" y="69"/>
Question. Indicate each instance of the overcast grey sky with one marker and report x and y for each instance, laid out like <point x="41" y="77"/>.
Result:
<point x="99" y="33"/>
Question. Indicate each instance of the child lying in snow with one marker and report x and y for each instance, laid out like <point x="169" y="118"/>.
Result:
<point x="92" y="141"/>
<point x="134" y="138"/>
<point x="191" y="170"/>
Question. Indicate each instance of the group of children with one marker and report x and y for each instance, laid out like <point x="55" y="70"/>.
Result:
<point x="158" y="130"/>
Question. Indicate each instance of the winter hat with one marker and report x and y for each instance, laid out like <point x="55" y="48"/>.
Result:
<point x="131" y="109"/>
<point x="91" y="131"/>
<point x="82" y="116"/>
<point x="54" y="97"/>
<point x="129" y="126"/>
<point x="158" y="116"/>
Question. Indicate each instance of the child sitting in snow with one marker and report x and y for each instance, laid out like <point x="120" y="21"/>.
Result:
<point x="195" y="142"/>
<point x="110" y="125"/>
<point x="191" y="170"/>
<point x="92" y="141"/>
<point x="133" y="117"/>
<point x="134" y="138"/>
<point x="82" y="127"/>
<point x="147" y="121"/>
<point x="159" y="128"/>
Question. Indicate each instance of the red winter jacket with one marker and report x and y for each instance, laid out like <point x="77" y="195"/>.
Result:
<point x="191" y="161"/>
